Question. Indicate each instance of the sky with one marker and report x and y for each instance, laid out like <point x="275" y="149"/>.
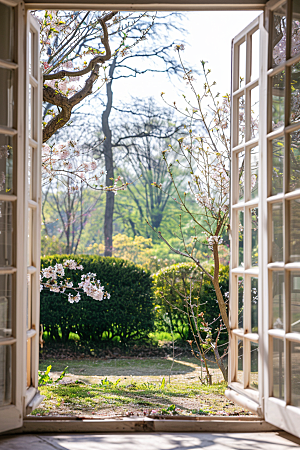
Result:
<point x="209" y="35"/>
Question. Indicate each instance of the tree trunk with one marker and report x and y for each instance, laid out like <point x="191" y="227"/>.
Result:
<point x="221" y="302"/>
<point x="220" y="362"/>
<point x="109" y="166"/>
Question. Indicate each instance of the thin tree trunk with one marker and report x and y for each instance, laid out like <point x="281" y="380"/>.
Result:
<point x="109" y="166"/>
<point x="220" y="362"/>
<point x="216" y="284"/>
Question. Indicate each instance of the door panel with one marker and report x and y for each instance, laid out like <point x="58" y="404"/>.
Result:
<point x="265" y="224"/>
<point x="246" y="355"/>
<point x="11" y="208"/>
<point x="33" y="213"/>
<point x="19" y="299"/>
<point x="282" y="203"/>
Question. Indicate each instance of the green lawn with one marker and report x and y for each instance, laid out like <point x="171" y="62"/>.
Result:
<point x="135" y="387"/>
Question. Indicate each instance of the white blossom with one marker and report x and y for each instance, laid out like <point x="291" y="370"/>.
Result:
<point x="57" y="283"/>
<point x="214" y="240"/>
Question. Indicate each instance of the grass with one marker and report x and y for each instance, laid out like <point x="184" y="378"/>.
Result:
<point x="155" y="337"/>
<point x="163" y="336"/>
<point x="120" y="387"/>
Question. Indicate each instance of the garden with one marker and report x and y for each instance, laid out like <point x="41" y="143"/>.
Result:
<point x="134" y="353"/>
<point x="135" y="221"/>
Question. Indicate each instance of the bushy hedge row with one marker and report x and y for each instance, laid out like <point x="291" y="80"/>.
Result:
<point x="174" y="280"/>
<point x="128" y="314"/>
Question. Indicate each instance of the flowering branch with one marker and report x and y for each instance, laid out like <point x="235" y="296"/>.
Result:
<point x="68" y="163"/>
<point x="55" y="279"/>
<point x="78" y="44"/>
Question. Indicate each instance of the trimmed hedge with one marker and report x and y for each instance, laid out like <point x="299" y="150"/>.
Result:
<point x="128" y="314"/>
<point x="170" y="280"/>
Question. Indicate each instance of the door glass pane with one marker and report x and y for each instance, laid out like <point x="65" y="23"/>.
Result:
<point x="254" y="55"/>
<point x="295" y="301"/>
<point x="6" y="32"/>
<point x="278" y="87"/>
<point x="5" y="375"/>
<point x="254" y="93"/>
<point x="295" y="41"/>
<point x="28" y="302"/>
<point x="29" y="249"/>
<point x="241" y="162"/>
<point x="30" y="172"/>
<point x="254" y="172"/>
<point x="6" y="164"/>
<point x="254" y="232"/>
<point x="277" y="232"/>
<point x="28" y="362"/>
<point x="279" y="35"/>
<point x="295" y="230"/>
<point x="254" y="305"/>
<point x="241" y="119"/>
<point x="32" y="51"/>
<point x="295" y="92"/>
<point x="239" y="375"/>
<point x="30" y="116"/>
<point x="295" y="373"/>
<point x="6" y="97"/>
<point x="254" y="366"/>
<point x="278" y="368"/>
<point x="31" y="103"/>
<point x="242" y="64"/>
<point x="241" y="238"/>
<point x="278" y="298"/>
<point x="277" y="165"/>
<point x="6" y="231"/>
<point x="295" y="161"/>
<point x="5" y="306"/>
<point x="241" y="302"/>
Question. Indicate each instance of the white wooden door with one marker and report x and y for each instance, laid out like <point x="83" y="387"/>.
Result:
<point x="246" y="354"/>
<point x="20" y="138"/>
<point x="282" y="205"/>
<point x="264" y="370"/>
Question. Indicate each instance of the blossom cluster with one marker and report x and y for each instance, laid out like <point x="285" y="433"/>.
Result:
<point x="68" y="160"/>
<point x="55" y="279"/>
<point x="211" y="185"/>
<point x="212" y="240"/>
<point x="92" y="287"/>
<point x="55" y="28"/>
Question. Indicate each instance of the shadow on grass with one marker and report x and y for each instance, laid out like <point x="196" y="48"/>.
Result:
<point x="119" y="367"/>
<point x="134" y="396"/>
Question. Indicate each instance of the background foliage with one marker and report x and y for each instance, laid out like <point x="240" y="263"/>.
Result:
<point x="174" y="280"/>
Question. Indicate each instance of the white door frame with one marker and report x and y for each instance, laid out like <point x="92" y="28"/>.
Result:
<point x="25" y="393"/>
<point x="278" y="398"/>
<point x="280" y="411"/>
<point x="12" y="415"/>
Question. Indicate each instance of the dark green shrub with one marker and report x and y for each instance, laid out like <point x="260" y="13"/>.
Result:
<point x="128" y="314"/>
<point x="174" y="280"/>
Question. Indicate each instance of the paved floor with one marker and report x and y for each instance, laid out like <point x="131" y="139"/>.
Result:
<point x="154" y="441"/>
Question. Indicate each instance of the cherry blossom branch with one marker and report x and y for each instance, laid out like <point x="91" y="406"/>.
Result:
<point x="96" y="60"/>
<point x="54" y="278"/>
<point x="52" y="96"/>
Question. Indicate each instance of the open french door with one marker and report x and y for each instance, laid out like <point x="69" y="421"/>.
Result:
<point x="264" y="365"/>
<point x="20" y="149"/>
